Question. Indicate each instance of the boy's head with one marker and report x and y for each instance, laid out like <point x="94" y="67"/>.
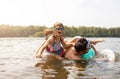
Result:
<point x="82" y="45"/>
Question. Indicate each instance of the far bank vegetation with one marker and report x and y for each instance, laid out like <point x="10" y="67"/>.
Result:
<point x="69" y="31"/>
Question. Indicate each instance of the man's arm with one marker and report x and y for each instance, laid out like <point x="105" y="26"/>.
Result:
<point x="95" y="41"/>
<point x="96" y="52"/>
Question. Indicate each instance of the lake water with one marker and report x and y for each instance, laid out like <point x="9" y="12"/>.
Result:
<point x="17" y="61"/>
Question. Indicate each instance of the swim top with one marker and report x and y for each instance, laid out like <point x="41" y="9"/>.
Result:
<point x="56" y="48"/>
<point x="90" y="55"/>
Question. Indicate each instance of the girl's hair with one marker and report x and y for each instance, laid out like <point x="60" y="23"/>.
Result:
<point x="57" y="24"/>
<point x="50" y="31"/>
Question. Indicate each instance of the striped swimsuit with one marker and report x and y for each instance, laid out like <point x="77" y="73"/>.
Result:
<point x="56" y="48"/>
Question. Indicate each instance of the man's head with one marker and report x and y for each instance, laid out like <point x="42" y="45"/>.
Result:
<point x="82" y="45"/>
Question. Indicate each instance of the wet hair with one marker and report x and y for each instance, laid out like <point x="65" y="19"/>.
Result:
<point x="50" y="31"/>
<point x="81" y="45"/>
<point x="57" y="24"/>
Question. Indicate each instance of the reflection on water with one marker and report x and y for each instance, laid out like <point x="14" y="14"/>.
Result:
<point x="17" y="61"/>
<point x="54" y="68"/>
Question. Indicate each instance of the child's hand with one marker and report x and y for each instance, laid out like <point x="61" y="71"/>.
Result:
<point x="38" y="56"/>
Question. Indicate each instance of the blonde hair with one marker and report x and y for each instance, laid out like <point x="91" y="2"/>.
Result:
<point x="57" y="24"/>
<point x="50" y="31"/>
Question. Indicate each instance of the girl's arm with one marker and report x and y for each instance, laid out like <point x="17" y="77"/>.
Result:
<point x="40" y="46"/>
<point x="43" y="47"/>
<point x="64" y="43"/>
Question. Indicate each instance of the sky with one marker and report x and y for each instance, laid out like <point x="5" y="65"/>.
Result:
<point x="99" y="13"/>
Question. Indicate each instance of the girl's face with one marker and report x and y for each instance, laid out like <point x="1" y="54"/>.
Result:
<point x="58" y="30"/>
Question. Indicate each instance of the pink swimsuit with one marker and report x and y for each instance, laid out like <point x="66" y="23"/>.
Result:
<point x="56" y="48"/>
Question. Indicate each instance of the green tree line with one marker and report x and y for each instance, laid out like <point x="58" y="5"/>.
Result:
<point x="69" y="31"/>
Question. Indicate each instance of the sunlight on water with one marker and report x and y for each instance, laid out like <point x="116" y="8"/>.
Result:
<point x="17" y="61"/>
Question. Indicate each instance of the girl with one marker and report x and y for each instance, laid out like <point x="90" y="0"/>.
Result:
<point x="53" y="44"/>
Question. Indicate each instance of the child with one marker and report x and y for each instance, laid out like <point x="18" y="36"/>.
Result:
<point x="53" y="43"/>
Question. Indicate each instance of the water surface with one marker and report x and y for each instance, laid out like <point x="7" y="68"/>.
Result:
<point x="17" y="61"/>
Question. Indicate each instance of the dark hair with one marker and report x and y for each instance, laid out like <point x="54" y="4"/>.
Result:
<point x="81" y="44"/>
